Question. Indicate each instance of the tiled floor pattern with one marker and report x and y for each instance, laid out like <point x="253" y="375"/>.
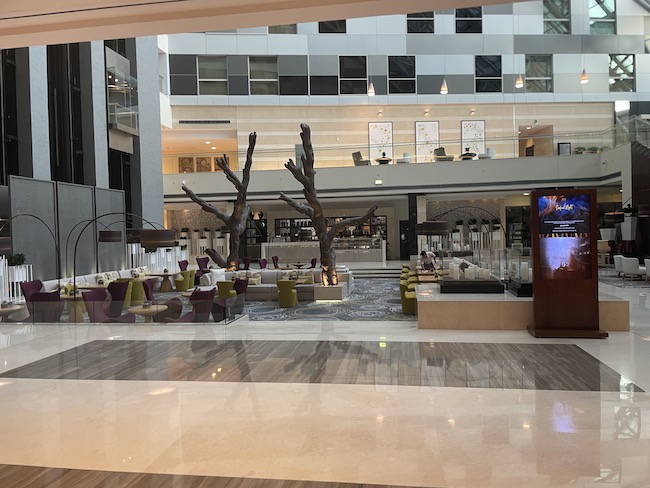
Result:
<point x="450" y="364"/>
<point x="170" y="432"/>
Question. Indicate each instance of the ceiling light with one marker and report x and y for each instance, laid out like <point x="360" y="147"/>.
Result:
<point x="519" y="82"/>
<point x="444" y="89"/>
<point x="213" y="147"/>
<point x="526" y="194"/>
<point x="583" y="77"/>
<point x="207" y="142"/>
<point x="371" y="89"/>
<point x="529" y="127"/>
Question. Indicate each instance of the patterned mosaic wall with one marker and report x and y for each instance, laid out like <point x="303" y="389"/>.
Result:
<point x="193" y="219"/>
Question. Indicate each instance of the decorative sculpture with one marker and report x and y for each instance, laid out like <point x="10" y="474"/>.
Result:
<point x="236" y="222"/>
<point x="313" y="209"/>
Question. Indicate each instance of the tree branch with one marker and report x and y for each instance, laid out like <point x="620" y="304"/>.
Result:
<point x="342" y="224"/>
<point x="206" y="206"/>
<point x="216" y="257"/>
<point x="300" y="207"/>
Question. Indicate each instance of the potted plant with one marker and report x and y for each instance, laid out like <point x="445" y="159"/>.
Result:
<point x="580" y="149"/>
<point x="593" y="149"/>
<point x="17" y="259"/>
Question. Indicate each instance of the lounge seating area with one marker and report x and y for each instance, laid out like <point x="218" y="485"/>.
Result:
<point x="262" y="284"/>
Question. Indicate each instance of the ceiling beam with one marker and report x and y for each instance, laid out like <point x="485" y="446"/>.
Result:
<point x="40" y="22"/>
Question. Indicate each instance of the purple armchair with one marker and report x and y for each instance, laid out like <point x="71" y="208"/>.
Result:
<point x="313" y="263"/>
<point x="174" y="305"/>
<point x="263" y="263"/>
<point x="183" y="264"/>
<point x="203" y="264"/>
<point x="95" y="301"/>
<point x="201" y="301"/>
<point x="276" y="262"/>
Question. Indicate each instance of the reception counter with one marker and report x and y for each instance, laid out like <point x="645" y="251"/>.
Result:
<point x="351" y="250"/>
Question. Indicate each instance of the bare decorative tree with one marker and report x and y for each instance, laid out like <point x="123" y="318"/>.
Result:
<point x="314" y="210"/>
<point x="236" y="222"/>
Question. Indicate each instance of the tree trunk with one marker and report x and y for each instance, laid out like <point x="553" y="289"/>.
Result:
<point x="328" y="263"/>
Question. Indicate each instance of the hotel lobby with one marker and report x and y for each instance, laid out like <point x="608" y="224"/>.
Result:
<point x="320" y="402"/>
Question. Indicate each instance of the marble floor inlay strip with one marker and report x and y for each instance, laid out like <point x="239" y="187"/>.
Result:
<point x="12" y="476"/>
<point x="434" y="364"/>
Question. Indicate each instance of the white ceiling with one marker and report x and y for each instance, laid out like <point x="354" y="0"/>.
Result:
<point x="39" y="22"/>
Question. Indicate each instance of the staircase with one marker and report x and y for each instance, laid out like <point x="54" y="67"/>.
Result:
<point x="391" y="270"/>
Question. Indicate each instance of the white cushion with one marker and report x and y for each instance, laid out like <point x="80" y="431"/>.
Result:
<point x="215" y="275"/>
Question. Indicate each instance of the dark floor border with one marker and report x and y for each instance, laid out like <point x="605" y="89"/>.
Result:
<point x="14" y="476"/>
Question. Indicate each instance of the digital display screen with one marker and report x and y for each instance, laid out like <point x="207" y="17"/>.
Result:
<point x="564" y="236"/>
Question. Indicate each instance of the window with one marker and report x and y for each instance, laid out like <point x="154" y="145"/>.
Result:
<point x="469" y="20"/>
<point x="602" y="17"/>
<point x="488" y="73"/>
<point x="621" y="72"/>
<point x="401" y="74"/>
<point x="539" y="73"/>
<point x="332" y="27"/>
<point x="263" y="73"/>
<point x="353" y="75"/>
<point x="213" y="75"/>
<point x="324" y="85"/>
<point x="420" y="23"/>
<point x="283" y="29"/>
<point x="557" y="17"/>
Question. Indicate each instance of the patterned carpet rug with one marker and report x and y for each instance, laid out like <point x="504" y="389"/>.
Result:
<point x="373" y="299"/>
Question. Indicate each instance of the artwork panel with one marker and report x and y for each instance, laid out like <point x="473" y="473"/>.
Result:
<point x="473" y="136"/>
<point x="186" y="165"/>
<point x="380" y="139"/>
<point x="427" y="139"/>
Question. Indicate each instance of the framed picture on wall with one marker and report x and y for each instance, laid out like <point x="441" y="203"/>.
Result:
<point x="473" y="136"/>
<point x="186" y="165"/>
<point x="380" y="140"/>
<point x="426" y="140"/>
<point x="203" y="164"/>
<point x="564" y="148"/>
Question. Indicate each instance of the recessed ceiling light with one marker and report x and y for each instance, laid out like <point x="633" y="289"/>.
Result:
<point x="207" y="142"/>
<point x="528" y="128"/>
<point x="526" y="193"/>
<point x="213" y="147"/>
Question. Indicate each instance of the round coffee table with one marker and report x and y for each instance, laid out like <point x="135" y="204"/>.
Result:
<point x="8" y="310"/>
<point x="148" y="312"/>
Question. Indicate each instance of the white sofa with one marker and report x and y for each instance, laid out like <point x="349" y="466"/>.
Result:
<point x="262" y="283"/>
<point x="51" y="285"/>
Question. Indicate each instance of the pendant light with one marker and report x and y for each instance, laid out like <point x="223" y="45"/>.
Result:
<point x="583" y="77"/>
<point x="519" y="81"/>
<point x="443" y="88"/>
<point x="371" y="89"/>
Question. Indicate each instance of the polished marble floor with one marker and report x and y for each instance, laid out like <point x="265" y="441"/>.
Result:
<point x="291" y="424"/>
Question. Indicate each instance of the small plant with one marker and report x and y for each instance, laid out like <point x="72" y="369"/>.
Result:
<point x="605" y="148"/>
<point x="594" y="149"/>
<point x="460" y="222"/>
<point x="580" y="149"/>
<point x="17" y="259"/>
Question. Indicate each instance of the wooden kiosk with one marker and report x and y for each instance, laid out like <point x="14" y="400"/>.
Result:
<point x="565" y="264"/>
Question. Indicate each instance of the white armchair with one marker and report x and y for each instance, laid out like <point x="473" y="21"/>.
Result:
<point x="631" y="268"/>
<point x="618" y="264"/>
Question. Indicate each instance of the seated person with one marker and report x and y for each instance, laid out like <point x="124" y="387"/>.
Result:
<point x="428" y="260"/>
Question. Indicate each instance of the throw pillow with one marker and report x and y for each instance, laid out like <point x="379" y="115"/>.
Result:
<point x="217" y="275"/>
<point x="254" y="281"/>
